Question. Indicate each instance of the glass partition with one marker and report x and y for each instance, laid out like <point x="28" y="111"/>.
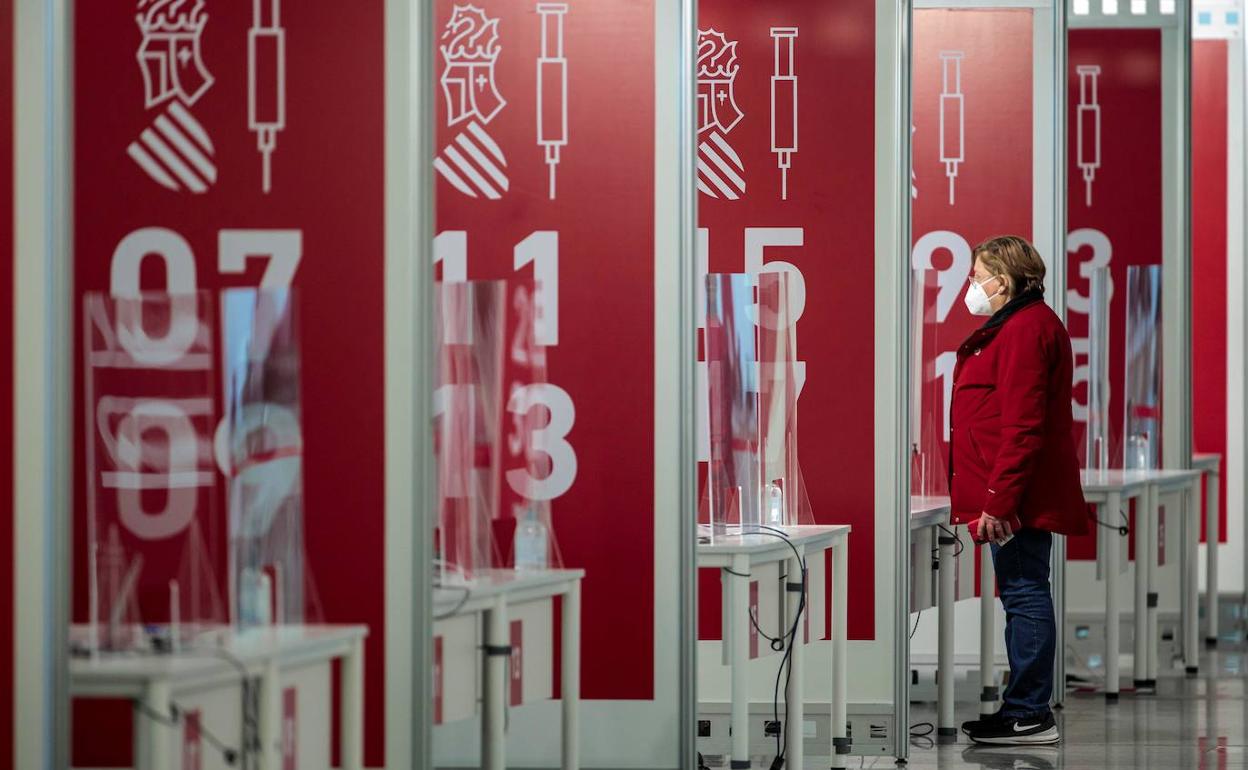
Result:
<point x="1142" y="421"/>
<point x="468" y="443"/>
<point x="270" y="578"/>
<point x="155" y="544"/>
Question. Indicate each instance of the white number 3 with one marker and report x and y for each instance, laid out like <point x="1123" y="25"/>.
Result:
<point x="550" y="440"/>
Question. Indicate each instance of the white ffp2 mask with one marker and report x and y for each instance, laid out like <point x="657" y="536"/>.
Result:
<point x="977" y="300"/>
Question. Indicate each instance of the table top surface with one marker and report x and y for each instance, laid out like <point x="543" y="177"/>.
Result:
<point x="225" y="651"/>
<point x="928" y="511"/>
<point x="494" y="583"/>
<point x="1118" y="480"/>
<point x="1207" y="461"/>
<point x="755" y="543"/>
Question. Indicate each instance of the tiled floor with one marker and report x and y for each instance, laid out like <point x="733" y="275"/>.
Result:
<point x="1200" y="722"/>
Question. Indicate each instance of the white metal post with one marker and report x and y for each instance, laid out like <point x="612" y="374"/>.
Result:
<point x="987" y="633"/>
<point x="494" y="707"/>
<point x="271" y="716"/>
<point x="408" y="307"/>
<point x="1143" y="517"/>
<point x="739" y="657"/>
<point x="795" y="712"/>
<point x="570" y="676"/>
<point x="1150" y="566"/>
<point x="945" y="676"/>
<point x="840" y="652"/>
<point x="1191" y="574"/>
<point x="1112" y="623"/>
<point x="1213" y="537"/>
<point x="154" y="739"/>
<point x="351" y="717"/>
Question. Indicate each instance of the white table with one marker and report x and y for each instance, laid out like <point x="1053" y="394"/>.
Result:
<point x="155" y="681"/>
<point x="1111" y="491"/>
<point x="489" y="595"/>
<point x="737" y="554"/>
<point x="934" y="512"/>
<point x="1183" y="484"/>
<point x="1210" y="464"/>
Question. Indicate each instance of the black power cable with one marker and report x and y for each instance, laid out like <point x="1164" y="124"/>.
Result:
<point x="176" y="719"/>
<point x="785" y="670"/>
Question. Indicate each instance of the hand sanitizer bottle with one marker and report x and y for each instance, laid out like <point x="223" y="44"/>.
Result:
<point x="531" y="542"/>
<point x="775" y="505"/>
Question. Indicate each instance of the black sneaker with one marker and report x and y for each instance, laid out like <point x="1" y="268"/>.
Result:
<point x="1018" y="732"/>
<point x="982" y="723"/>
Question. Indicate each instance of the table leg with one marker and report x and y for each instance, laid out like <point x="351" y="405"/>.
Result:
<point x="987" y="634"/>
<point x="1057" y="566"/>
<point x="153" y="738"/>
<point x="1112" y="643"/>
<point x="351" y="717"/>
<point x="1191" y="571"/>
<point x="945" y="677"/>
<point x="1143" y="516"/>
<point x="570" y="674"/>
<point x="1213" y="536"/>
<point x="795" y="708"/>
<point x="494" y="706"/>
<point x="739" y="655"/>
<point x="840" y="652"/>
<point x="271" y="716"/>
<point x="1154" y="550"/>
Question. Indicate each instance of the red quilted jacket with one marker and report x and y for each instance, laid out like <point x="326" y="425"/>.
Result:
<point x="1012" y="447"/>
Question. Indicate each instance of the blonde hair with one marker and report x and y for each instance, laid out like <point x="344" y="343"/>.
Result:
<point x="1016" y="259"/>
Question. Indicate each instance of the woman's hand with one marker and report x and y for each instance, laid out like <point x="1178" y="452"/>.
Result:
<point x="993" y="530"/>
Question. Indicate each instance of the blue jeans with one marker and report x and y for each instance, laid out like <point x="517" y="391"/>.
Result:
<point x="1022" y="567"/>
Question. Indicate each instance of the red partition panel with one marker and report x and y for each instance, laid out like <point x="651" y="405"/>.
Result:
<point x="973" y="124"/>
<point x="1209" y="212"/>
<point x="786" y="154"/>
<point x="183" y="129"/>
<point x="545" y="177"/>
<point x="1113" y="204"/>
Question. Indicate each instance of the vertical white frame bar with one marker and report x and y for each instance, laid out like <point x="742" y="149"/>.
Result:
<point x="1176" y="167"/>
<point x="893" y="24"/>
<point x="1056" y="289"/>
<point x="676" y="351"/>
<point x="408" y="386"/>
<point x="1235" y="464"/>
<point x="42" y="311"/>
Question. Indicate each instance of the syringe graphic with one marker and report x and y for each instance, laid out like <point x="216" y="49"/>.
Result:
<point x="266" y="81"/>
<point x="1089" y="153"/>
<point x="783" y="103"/>
<point x="552" y="87"/>
<point x="951" y="116"/>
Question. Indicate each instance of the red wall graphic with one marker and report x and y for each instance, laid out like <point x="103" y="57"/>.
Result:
<point x="545" y="155"/>
<point x="972" y="94"/>
<point x="786" y="185"/>
<point x="1114" y="197"/>
<point x="169" y="144"/>
<point x="1209" y="201"/>
<point x="972" y="102"/>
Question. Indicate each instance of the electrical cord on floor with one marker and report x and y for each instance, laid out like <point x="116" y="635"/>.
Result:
<point x="916" y="624"/>
<point x="924" y="739"/>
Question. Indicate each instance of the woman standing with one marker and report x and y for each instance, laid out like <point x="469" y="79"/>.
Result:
<point x="1014" y="474"/>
